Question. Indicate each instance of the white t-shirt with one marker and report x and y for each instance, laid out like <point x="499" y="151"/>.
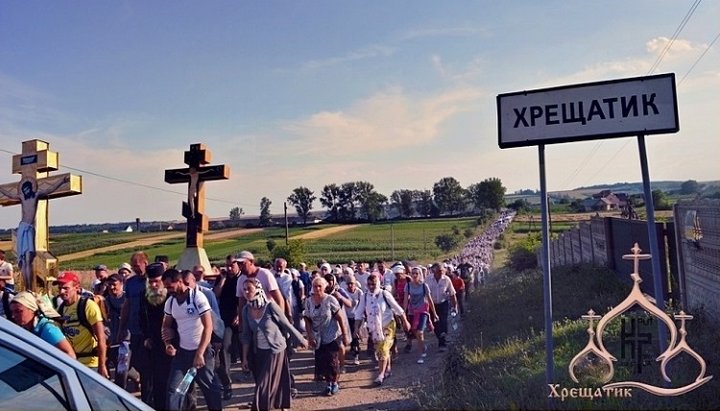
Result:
<point x="266" y="278"/>
<point x="362" y="278"/>
<point x="6" y="269"/>
<point x="187" y="316"/>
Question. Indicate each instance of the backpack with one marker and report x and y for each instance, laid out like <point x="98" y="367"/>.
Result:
<point x="82" y="318"/>
<point x="218" y="333"/>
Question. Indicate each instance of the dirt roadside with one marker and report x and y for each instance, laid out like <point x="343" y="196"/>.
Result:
<point x="357" y="391"/>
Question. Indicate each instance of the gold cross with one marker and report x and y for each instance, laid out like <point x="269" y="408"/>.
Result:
<point x="32" y="192"/>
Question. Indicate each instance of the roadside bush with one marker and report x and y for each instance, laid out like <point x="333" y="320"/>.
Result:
<point x="469" y="233"/>
<point x="523" y="254"/>
<point x="447" y="242"/>
<point x="270" y="244"/>
<point x="293" y="253"/>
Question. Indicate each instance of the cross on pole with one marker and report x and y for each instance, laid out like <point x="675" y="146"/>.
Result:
<point x="195" y="175"/>
<point x="32" y="192"/>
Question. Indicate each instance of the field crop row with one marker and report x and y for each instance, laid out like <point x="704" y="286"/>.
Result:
<point x="402" y="240"/>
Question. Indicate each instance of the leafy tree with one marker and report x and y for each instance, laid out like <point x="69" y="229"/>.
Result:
<point x="329" y="198"/>
<point x="294" y="252"/>
<point x="488" y="193"/>
<point x="690" y="187"/>
<point x="449" y="195"/>
<point x="370" y="201"/>
<point x="347" y="198"/>
<point x="235" y="214"/>
<point x="660" y="200"/>
<point x="520" y="205"/>
<point x="302" y="199"/>
<point x="426" y="204"/>
<point x="402" y="200"/>
<point x="447" y="242"/>
<point x="265" y="217"/>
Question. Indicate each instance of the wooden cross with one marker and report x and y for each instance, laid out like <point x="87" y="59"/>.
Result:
<point x="195" y="175"/>
<point x="33" y="191"/>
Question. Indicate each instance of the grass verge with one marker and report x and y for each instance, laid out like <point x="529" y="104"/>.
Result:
<point x="499" y="362"/>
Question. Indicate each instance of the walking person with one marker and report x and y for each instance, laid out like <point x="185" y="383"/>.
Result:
<point x="264" y="329"/>
<point x="225" y="288"/>
<point x="324" y="324"/>
<point x="380" y="308"/>
<point x="355" y="293"/>
<point x="32" y="313"/>
<point x="152" y="313"/>
<point x="442" y="293"/>
<point x="190" y="311"/>
<point x="420" y="309"/>
<point x="86" y="336"/>
<point x="130" y="313"/>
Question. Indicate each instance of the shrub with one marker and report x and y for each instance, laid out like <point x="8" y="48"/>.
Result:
<point x="469" y="233"/>
<point x="270" y="244"/>
<point x="523" y="254"/>
<point x="447" y="242"/>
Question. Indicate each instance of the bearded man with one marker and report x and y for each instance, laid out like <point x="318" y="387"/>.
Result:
<point x="151" y="317"/>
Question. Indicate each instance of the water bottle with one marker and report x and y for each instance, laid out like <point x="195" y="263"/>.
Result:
<point x="123" y="357"/>
<point x="182" y="388"/>
<point x="453" y="320"/>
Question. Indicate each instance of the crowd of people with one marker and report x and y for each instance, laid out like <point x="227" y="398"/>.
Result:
<point x="148" y="325"/>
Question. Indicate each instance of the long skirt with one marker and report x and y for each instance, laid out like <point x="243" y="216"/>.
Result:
<point x="272" y="380"/>
<point x="327" y="361"/>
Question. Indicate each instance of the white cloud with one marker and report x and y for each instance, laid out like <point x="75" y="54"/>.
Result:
<point x="679" y="47"/>
<point x="368" y="52"/>
<point x="387" y="120"/>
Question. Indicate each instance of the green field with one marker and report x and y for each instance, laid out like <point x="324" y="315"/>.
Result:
<point x="405" y="240"/>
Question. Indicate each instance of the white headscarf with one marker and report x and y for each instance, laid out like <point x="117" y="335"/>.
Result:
<point x="259" y="299"/>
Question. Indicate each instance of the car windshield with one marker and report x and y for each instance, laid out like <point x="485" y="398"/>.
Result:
<point x="25" y="381"/>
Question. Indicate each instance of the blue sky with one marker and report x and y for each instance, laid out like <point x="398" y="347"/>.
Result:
<point x="291" y="93"/>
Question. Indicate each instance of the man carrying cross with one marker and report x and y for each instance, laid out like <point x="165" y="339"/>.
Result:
<point x="29" y="195"/>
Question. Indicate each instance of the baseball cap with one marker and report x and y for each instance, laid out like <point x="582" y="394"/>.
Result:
<point x="66" y="277"/>
<point x="244" y="255"/>
<point x="125" y="266"/>
<point x="326" y="266"/>
<point x="101" y="267"/>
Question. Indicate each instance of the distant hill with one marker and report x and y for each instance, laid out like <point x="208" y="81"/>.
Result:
<point x="669" y="187"/>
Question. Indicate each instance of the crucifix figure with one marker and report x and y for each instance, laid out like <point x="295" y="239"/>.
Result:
<point x="196" y="175"/>
<point x="32" y="192"/>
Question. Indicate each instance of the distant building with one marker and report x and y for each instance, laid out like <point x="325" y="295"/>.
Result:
<point x="605" y="201"/>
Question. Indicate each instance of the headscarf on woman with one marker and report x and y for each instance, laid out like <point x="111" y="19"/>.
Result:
<point x="259" y="299"/>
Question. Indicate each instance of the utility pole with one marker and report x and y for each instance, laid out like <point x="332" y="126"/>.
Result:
<point x="287" y="230"/>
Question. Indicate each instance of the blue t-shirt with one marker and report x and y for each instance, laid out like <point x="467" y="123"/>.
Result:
<point x="48" y="331"/>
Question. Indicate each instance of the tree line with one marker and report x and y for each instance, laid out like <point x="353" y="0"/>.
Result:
<point x="358" y="201"/>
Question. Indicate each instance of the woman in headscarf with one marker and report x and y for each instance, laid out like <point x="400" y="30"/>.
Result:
<point x="380" y="309"/>
<point x="324" y="323"/>
<point x="32" y="313"/>
<point x="264" y="329"/>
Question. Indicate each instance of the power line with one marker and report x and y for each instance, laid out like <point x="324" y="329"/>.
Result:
<point x="134" y="183"/>
<point x="655" y="65"/>
<point x="700" y="58"/>
<point x="675" y="35"/>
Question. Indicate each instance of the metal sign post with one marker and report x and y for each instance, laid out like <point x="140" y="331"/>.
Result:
<point x="607" y="109"/>
<point x="547" y="277"/>
<point x="652" y="234"/>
